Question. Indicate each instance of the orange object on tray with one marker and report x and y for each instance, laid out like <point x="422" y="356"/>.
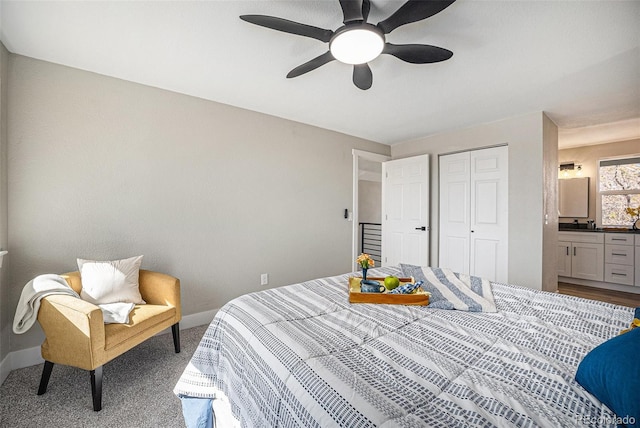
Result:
<point x="419" y="298"/>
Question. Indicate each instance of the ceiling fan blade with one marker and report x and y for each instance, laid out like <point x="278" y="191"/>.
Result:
<point x="362" y="76"/>
<point x="412" y="11"/>
<point x="351" y="10"/>
<point x="417" y="54"/>
<point x="366" y="8"/>
<point x="287" y="26"/>
<point x="311" y="65"/>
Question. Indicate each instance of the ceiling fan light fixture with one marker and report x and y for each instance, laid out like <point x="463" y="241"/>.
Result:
<point x="357" y="45"/>
<point x="357" y="42"/>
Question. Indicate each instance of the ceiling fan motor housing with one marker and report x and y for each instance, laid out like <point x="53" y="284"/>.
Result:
<point x="357" y="43"/>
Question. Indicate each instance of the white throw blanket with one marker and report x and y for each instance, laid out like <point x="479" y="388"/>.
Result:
<point x="45" y="285"/>
<point x="116" y="313"/>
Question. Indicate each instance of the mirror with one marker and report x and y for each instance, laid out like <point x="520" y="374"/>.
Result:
<point x="573" y="197"/>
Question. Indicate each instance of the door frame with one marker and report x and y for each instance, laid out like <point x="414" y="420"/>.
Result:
<point x="375" y="157"/>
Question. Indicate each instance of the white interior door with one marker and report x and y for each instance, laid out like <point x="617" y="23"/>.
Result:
<point x="405" y="211"/>
<point x="455" y="213"/>
<point x="489" y="213"/>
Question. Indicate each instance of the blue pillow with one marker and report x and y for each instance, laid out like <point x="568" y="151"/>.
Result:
<point x="611" y="372"/>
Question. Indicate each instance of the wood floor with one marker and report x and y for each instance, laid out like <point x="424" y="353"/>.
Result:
<point x="610" y="296"/>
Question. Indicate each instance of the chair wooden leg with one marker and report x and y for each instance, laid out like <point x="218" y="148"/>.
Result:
<point x="175" y="329"/>
<point x="46" y="374"/>
<point x="96" y="388"/>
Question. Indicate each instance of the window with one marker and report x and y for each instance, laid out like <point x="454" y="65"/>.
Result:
<point x="618" y="189"/>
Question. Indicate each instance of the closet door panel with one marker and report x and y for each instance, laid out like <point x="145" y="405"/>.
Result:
<point x="454" y="212"/>
<point x="474" y="213"/>
<point x="486" y="258"/>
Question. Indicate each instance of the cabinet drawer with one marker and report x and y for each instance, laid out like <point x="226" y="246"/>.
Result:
<point x="618" y="274"/>
<point x="587" y="237"/>
<point x="619" y="254"/>
<point x="618" y="238"/>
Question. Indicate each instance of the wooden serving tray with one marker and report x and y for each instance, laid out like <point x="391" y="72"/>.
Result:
<point x="419" y="298"/>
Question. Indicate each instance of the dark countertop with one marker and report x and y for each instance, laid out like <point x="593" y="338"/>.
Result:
<point x="598" y="230"/>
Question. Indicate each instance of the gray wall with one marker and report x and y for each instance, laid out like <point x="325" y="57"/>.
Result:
<point x="525" y="137"/>
<point x="6" y="312"/>
<point x="369" y="201"/>
<point x="215" y="195"/>
<point x="369" y="204"/>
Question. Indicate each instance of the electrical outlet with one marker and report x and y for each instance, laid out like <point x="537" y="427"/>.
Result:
<point x="264" y="279"/>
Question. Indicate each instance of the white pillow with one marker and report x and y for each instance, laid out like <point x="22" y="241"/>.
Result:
<point x="110" y="281"/>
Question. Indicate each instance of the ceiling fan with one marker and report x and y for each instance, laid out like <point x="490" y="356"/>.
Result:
<point x="358" y="42"/>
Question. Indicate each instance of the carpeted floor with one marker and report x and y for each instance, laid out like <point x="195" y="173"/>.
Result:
<point x="136" y="390"/>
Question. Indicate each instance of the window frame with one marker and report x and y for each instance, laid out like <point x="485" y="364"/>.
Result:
<point x="600" y="193"/>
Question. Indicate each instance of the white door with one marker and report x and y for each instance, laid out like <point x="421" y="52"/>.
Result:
<point x="489" y="214"/>
<point x="474" y="213"/>
<point x="405" y="211"/>
<point x="455" y="212"/>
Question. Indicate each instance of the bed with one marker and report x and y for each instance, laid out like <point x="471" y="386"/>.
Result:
<point x="303" y="356"/>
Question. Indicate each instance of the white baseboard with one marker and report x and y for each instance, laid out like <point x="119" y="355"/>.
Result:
<point x="5" y="368"/>
<point x="19" y="359"/>
<point x="31" y="356"/>
<point x="195" y="320"/>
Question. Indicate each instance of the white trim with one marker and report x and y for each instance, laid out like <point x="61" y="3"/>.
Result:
<point x="31" y="356"/>
<point x="370" y="156"/>
<point x="5" y="368"/>
<point x="20" y="359"/>
<point x="375" y="157"/>
<point x="194" y="320"/>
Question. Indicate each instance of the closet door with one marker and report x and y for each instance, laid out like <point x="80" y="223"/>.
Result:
<point x="489" y="213"/>
<point x="455" y="212"/>
<point x="474" y="213"/>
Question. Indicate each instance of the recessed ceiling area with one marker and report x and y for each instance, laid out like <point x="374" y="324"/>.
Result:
<point x="577" y="61"/>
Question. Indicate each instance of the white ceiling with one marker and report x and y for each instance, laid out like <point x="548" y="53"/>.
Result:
<point x="579" y="61"/>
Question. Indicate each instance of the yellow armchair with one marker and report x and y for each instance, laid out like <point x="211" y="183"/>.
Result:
<point x="77" y="336"/>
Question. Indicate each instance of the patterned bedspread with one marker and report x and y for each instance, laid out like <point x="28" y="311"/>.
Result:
<point x="302" y="355"/>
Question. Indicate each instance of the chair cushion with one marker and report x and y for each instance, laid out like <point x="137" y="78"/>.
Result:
<point x="111" y="281"/>
<point x="141" y="318"/>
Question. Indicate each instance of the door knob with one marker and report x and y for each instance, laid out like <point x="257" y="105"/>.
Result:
<point x="421" y="228"/>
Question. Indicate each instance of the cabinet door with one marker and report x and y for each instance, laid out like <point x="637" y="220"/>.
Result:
<point x="587" y="261"/>
<point x="564" y="258"/>
<point x="637" y="275"/>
